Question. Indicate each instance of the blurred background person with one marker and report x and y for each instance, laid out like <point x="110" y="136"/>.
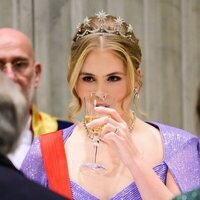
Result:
<point x="17" y="61"/>
<point x="13" y="117"/>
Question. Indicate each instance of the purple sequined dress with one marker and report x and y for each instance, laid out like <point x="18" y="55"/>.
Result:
<point x="181" y="157"/>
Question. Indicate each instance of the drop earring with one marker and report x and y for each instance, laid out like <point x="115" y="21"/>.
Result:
<point x="136" y="94"/>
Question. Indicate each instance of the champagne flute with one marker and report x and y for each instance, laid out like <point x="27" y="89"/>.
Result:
<point x="94" y="100"/>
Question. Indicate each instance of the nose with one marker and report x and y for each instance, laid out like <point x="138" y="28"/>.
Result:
<point x="101" y="95"/>
<point x="101" y="91"/>
<point x="8" y="70"/>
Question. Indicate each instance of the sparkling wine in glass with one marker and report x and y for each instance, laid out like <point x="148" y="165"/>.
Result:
<point x="94" y="100"/>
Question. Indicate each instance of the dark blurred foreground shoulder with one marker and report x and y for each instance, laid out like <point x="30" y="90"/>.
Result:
<point x="14" y="185"/>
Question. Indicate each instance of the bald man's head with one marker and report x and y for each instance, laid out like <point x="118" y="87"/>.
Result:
<point x="11" y="35"/>
<point x="17" y="61"/>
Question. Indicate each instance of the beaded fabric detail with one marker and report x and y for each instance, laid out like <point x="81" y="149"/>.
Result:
<point x="120" y="27"/>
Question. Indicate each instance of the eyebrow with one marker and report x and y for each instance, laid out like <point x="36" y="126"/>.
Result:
<point x="86" y="73"/>
<point x="20" y="58"/>
<point x="15" y="59"/>
<point x="116" y="73"/>
<point x="111" y="74"/>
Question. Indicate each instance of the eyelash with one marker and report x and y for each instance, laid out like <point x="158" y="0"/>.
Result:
<point x="110" y="79"/>
<point x="114" y="78"/>
<point x="88" y="79"/>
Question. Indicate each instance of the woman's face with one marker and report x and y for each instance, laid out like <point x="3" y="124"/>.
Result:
<point x="103" y="72"/>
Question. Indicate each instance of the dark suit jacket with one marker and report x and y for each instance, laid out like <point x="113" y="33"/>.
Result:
<point x="15" y="186"/>
<point x="63" y="124"/>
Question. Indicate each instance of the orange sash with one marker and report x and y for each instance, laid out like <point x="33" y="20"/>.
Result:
<point x="55" y="163"/>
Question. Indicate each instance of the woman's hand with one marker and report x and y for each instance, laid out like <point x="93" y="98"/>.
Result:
<point x="116" y="133"/>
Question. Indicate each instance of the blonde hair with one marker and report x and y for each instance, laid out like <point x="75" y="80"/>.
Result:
<point x="125" y="48"/>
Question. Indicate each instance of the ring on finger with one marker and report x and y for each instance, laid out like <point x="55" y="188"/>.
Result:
<point x="116" y="131"/>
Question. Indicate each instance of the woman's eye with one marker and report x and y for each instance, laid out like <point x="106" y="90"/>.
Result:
<point x="88" y="79"/>
<point x="114" y="78"/>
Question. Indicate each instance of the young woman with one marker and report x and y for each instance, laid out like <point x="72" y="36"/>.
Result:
<point x="140" y="160"/>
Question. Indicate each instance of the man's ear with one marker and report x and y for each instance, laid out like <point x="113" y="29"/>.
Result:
<point x="38" y="70"/>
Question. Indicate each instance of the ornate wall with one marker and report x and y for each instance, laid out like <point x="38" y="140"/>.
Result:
<point x="169" y="33"/>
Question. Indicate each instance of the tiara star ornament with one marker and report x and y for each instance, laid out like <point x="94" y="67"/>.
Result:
<point x="101" y="16"/>
<point x="119" y="27"/>
<point x="118" y="22"/>
<point x="86" y="21"/>
<point x="130" y="28"/>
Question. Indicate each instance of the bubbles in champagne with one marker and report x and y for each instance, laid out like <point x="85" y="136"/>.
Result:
<point x="94" y="130"/>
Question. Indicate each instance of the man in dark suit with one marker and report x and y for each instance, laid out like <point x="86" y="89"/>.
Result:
<point x="17" y="61"/>
<point x="13" y="117"/>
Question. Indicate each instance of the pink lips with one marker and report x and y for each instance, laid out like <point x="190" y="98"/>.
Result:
<point x="102" y="105"/>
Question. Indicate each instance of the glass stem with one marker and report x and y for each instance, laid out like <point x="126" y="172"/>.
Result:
<point x="95" y="154"/>
<point x="95" y="145"/>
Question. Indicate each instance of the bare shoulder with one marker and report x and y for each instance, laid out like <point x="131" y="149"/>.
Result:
<point x="149" y="140"/>
<point x="149" y="131"/>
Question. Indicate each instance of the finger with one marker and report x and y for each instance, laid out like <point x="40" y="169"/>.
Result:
<point x="102" y="121"/>
<point x="112" y="137"/>
<point x="109" y="112"/>
<point x="107" y="129"/>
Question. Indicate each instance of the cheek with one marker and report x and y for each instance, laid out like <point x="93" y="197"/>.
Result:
<point x="78" y="88"/>
<point x="119" y="95"/>
<point x="119" y="91"/>
<point x="83" y="89"/>
<point x="26" y="80"/>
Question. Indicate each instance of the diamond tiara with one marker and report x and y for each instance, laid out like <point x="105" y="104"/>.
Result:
<point x="85" y="28"/>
